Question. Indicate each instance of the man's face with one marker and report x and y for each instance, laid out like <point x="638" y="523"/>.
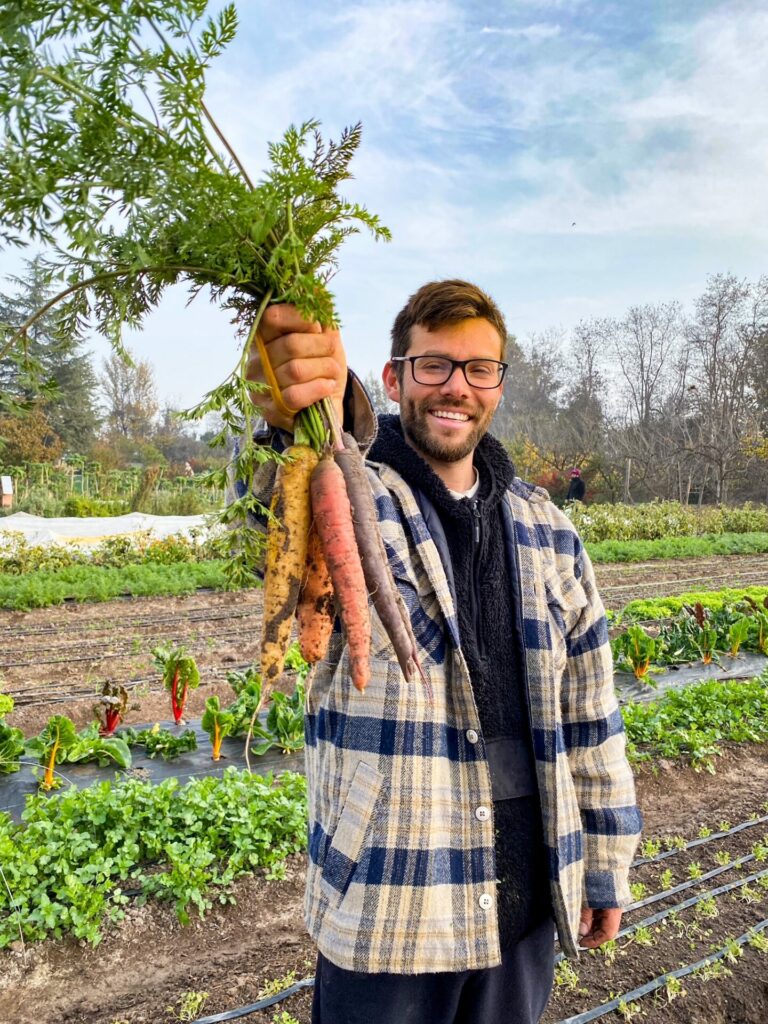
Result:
<point x="445" y="422"/>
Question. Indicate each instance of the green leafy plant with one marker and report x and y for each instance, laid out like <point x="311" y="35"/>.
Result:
<point x="650" y="847"/>
<point x="217" y="723"/>
<point x="60" y="743"/>
<point x="275" y="986"/>
<point x="666" y="879"/>
<point x="635" y="650"/>
<point x="612" y="551"/>
<point x="50" y="746"/>
<point x="11" y="748"/>
<point x="66" y="863"/>
<point x="45" y="587"/>
<point x="694" y="722"/>
<point x="161" y="742"/>
<point x="737" y="634"/>
<point x="247" y="685"/>
<point x="638" y="890"/>
<point x="113" y="159"/>
<point x="111" y="707"/>
<point x="180" y="675"/>
<point x="285" y="722"/>
<point x="188" y="1006"/>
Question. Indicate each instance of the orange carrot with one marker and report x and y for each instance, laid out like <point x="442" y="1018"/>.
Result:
<point x="378" y="575"/>
<point x="285" y="557"/>
<point x="316" y="609"/>
<point x="333" y="517"/>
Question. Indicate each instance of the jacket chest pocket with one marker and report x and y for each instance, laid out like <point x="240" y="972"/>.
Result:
<point x="346" y="844"/>
<point x="565" y="602"/>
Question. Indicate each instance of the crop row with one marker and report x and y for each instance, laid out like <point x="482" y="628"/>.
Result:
<point x="695" y="633"/>
<point x="60" y="743"/>
<point x="68" y="864"/>
<point x="664" y="519"/>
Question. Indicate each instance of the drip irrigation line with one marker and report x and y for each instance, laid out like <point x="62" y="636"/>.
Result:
<point x="36" y="698"/>
<point x="262" y="1004"/>
<point x="105" y="624"/>
<point x="691" y="902"/>
<point x="690" y="883"/>
<point x="700" y="842"/>
<point x="663" y="979"/>
<point x="95" y="649"/>
<point x="685" y="905"/>
<point x="677" y="584"/>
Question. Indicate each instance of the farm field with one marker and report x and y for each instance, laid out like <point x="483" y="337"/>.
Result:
<point x="53" y="661"/>
<point x="112" y="640"/>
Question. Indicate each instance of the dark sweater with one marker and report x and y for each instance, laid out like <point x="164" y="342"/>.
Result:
<point x="489" y="641"/>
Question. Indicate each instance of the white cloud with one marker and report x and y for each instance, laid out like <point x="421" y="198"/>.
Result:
<point x="531" y="33"/>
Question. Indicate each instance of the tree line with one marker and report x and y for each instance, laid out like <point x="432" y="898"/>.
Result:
<point x="54" y="401"/>
<point x="663" y="402"/>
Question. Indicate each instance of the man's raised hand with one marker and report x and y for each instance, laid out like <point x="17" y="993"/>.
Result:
<point x="308" y="361"/>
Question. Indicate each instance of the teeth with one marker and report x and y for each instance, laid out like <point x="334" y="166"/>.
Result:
<point x="450" y="415"/>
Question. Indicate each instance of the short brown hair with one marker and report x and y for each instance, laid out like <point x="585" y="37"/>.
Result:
<point x="442" y="304"/>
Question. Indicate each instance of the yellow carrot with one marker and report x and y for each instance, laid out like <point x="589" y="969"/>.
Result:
<point x="316" y="608"/>
<point x="286" y="554"/>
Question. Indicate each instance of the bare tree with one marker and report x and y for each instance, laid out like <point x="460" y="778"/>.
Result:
<point x="726" y="334"/>
<point x="131" y="397"/>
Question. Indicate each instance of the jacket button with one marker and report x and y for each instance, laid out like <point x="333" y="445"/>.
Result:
<point x="482" y="813"/>
<point x="485" y="901"/>
<point x="472" y="736"/>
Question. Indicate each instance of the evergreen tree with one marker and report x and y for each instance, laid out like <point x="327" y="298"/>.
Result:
<point x="50" y="369"/>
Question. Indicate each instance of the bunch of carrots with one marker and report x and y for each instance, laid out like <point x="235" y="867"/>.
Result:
<point x="325" y="555"/>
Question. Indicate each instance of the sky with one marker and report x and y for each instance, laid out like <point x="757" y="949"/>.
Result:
<point x="571" y="157"/>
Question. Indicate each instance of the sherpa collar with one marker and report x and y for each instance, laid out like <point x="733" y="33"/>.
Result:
<point x="493" y="465"/>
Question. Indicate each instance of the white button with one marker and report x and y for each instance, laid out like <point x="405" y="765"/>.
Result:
<point x="482" y="813"/>
<point x="472" y="736"/>
<point x="485" y="901"/>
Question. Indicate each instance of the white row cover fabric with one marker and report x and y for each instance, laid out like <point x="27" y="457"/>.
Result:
<point x="87" y="531"/>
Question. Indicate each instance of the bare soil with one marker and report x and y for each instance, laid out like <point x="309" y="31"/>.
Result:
<point x="58" y="658"/>
<point x="61" y="656"/>
<point x="621" y="582"/>
<point x="149" y="961"/>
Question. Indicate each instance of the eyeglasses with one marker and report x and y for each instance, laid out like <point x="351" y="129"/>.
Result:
<point x="478" y="373"/>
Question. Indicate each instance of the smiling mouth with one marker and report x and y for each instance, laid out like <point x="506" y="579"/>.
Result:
<point x="449" y="414"/>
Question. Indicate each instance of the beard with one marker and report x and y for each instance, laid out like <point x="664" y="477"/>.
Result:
<point x="417" y="428"/>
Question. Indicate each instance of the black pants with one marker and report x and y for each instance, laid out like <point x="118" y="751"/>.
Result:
<point x="516" y="992"/>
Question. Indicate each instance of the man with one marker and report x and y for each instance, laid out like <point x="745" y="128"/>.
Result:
<point x="576" y="487"/>
<point x="445" y="837"/>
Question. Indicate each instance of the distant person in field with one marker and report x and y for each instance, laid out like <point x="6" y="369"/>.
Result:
<point x="448" y="839"/>
<point x="576" y="487"/>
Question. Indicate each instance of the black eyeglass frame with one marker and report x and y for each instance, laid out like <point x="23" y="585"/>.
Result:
<point x="463" y="363"/>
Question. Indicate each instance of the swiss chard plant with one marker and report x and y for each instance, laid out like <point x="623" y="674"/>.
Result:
<point x="111" y="707"/>
<point x="114" y="164"/>
<point x="11" y="739"/>
<point x="180" y="675"/>
<point x="51" y="745"/>
<point x="61" y="743"/>
<point x="285" y="722"/>
<point x="634" y="650"/>
<point x="218" y="723"/>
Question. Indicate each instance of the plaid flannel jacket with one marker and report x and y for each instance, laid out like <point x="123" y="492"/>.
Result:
<point x="401" y="874"/>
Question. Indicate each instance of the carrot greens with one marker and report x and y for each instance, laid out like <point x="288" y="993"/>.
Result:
<point x="114" y="163"/>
